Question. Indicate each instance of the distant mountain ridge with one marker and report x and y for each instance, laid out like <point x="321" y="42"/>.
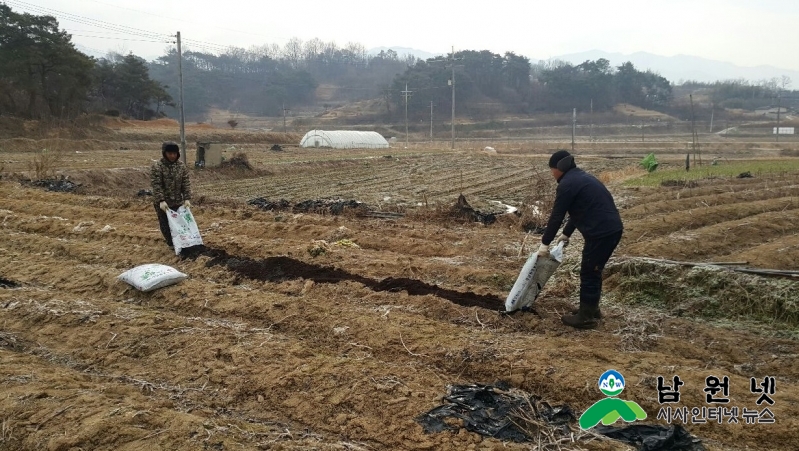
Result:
<point x="684" y="67"/>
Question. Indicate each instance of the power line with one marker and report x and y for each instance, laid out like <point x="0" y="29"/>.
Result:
<point x="97" y="51"/>
<point x="77" y="17"/>
<point x="87" y="21"/>
<point x="168" y="38"/>
<point x="212" y="44"/>
<point x="218" y="50"/>
<point x="75" y="30"/>
<point x="188" y="21"/>
<point x="118" y="39"/>
<point x="122" y="29"/>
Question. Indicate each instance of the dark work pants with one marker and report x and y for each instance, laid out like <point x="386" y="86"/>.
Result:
<point x="163" y="224"/>
<point x="596" y="254"/>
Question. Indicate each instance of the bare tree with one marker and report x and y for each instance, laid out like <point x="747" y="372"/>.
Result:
<point x="267" y="50"/>
<point x="771" y="85"/>
<point x="330" y="50"/>
<point x="312" y="48"/>
<point x="357" y="52"/>
<point x="292" y="51"/>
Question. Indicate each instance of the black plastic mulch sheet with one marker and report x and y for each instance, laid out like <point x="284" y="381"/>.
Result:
<point x="464" y="210"/>
<point x="7" y="283"/>
<point x="494" y="411"/>
<point x="266" y="204"/>
<point x="649" y="437"/>
<point x="62" y="186"/>
<point x="491" y="411"/>
<point x="334" y="206"/>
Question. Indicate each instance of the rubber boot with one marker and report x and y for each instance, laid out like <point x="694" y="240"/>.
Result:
<point x="584" y="319"/>
<point x="598" y="313"/>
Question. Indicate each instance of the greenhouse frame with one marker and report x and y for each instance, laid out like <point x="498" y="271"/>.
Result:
<point x="344" y="139"/>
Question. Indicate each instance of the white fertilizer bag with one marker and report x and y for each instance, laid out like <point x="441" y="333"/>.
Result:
<point x="531" y="280"/>
<point x="151" y="276"/>
<point x="185" y="232"/>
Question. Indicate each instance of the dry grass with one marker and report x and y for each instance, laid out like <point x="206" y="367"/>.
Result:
<point x="705" y="292"/>
<point x="642" y="113"/>
<point x="548" y="437"/>
<point x="6" y="432"/>
<point x="566" y="280"/>
<point x="439" y="213"/>
<point x="620" y="175"/>
<point x="640" y="330"/>
<point x="537" y="206"/>
<point x="239" y="160"/>
<point x="45" y="164"/>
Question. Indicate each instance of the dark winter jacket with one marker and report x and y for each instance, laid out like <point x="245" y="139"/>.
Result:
<point x="170" y="182"/>
<point x="589" y="204"/>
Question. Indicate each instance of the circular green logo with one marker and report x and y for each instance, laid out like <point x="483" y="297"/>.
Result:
<point x="611" y="383"/>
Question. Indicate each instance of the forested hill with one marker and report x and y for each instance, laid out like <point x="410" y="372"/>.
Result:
<point x="44" y="76"/>
<point x="262" y="81"/>
<point x="314" y="75"/>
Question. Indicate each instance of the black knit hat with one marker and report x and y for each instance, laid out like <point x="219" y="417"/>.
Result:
<point x="562" y="160"/>
<point x="170" y="146"/>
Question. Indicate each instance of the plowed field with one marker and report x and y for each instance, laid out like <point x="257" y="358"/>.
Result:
<point x="265" y="346"/>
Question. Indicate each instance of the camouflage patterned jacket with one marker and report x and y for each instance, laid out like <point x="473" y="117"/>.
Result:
<point x="170" y="182"/>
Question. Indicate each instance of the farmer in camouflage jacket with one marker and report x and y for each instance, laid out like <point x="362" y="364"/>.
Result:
<point x="171" y="186"/>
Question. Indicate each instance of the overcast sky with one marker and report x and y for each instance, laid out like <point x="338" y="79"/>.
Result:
<point x="743" y="32"/>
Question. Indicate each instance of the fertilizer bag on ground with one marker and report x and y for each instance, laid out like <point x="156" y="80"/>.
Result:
<point x="185" y="232"/>
<point x="531" y="280"/>
<point x="151" y="276"/>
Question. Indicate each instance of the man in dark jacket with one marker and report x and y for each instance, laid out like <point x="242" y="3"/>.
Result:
<point x="591" y="211"/>
<point x="171" y="186"/>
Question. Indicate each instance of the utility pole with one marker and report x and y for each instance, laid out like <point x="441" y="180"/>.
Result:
<point x="591" y="119"/>
<point x="182" y="113"/>
<point x="574" y="126"/>
<point x="642" y="130"/>
<point x="431" y="120"/>
<point x="284" y="116"/>
<point x="452" y="82"/>
<point x="779" y="107"/>
<point x="712" y="113"/>
<point x="694" y="135"/>
<point x="406" y="93"/>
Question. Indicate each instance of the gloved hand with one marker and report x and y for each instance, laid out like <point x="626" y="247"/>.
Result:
<point x="186" y="203"/>
<point x="163" y="206"/>
<point x="564" y="239"/>
<point x="543" y="250"/>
